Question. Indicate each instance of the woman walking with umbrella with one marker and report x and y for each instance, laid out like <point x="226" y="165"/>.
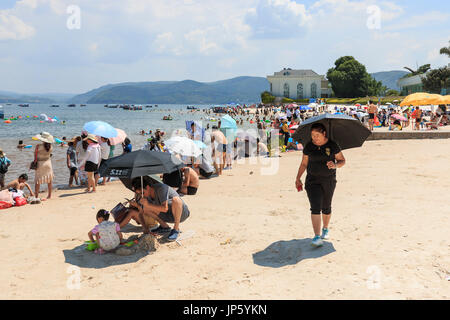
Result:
<point x="324" y="138"/>
<point x="321" y="157"/>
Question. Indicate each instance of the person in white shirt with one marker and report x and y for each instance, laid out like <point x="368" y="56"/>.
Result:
<point x="91" y="161"/>
<point x="105" y="148"/>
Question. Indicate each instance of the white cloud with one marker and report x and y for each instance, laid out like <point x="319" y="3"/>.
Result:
<point x="206" y="40"/>
<point x="278" y="19"/>
<point x="12" y="28"/>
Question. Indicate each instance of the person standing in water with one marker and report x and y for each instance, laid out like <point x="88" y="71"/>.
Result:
<point x="321" y="157"/>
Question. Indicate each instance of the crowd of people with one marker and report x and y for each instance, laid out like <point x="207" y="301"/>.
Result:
<point x="158" y="203"/>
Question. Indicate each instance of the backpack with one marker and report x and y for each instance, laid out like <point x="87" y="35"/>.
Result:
<point x="3" y="167"/>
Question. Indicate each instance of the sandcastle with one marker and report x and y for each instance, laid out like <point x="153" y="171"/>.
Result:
<point x="146" y="242"/>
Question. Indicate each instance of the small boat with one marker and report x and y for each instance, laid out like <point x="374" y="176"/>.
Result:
<point x="2" y="113"/>
<point x="112" y="106"/>
<point x="82" y="105"/>
<point x="167" y="118"/>
<point x="24" y="105"/>
<point x="149" y="106"/>
<point x="191" y="108"/>
<point x="72" y="105"/>
<point x="156" y="106"/>
<point x="55" y="106"/>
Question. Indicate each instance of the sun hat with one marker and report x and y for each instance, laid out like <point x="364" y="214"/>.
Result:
<point x="45" y="137"/>
<point x="92" y="137"/>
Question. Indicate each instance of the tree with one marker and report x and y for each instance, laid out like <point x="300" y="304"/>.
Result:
<point x="445" y="50"/>
<point x="349" y="78"/>
<point x="421" y="70"/>
<point x="392" y="92"/>
<point x="266" y="97"/>
<point x="436" y="79"/>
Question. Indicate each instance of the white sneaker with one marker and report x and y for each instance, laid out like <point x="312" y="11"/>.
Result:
<point x="317" y="241"/>
<point x="325" y="234"/>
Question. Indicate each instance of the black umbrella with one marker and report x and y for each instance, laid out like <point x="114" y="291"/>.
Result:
<point x="346" y="131"/>
<point x="139" y="164"/>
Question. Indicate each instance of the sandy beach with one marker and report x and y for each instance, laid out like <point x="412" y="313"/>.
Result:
<point x="388" y="236"/>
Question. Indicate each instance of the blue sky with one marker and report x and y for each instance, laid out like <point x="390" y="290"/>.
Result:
<point x="208" y="40"/>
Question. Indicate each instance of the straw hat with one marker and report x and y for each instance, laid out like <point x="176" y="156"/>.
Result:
<point x="45" y="137"/>
<point x="92" y="137"/>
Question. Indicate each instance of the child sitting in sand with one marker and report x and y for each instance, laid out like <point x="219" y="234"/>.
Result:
<point x="107" y="233"/>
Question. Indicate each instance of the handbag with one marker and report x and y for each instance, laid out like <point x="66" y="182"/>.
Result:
<point x="119" y="212"/>
<point x="33" y="164"/>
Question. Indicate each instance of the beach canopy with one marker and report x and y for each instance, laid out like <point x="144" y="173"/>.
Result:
<point x="446" y="99"/>
<point x="346" y="131"/>
<point x="140" y="163"/>
<point x="101" y="129"/>
<point x="183" y="146"/>
<point x="422" y="99"/>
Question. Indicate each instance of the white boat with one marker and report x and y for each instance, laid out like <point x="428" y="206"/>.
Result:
<point x="2" y="113"/>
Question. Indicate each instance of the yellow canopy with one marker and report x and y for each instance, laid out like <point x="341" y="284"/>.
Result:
<point x="422" y="99"/>
<point x="446" y="99"/>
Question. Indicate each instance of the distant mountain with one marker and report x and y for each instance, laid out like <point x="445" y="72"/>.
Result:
<point x="240" y="90"/>
<point x="12" y="97"/>
<point x="55" y="97"/>
<point x="389" y="78"/>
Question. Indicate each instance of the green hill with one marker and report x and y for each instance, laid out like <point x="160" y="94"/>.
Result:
<point x="239" y="90"/>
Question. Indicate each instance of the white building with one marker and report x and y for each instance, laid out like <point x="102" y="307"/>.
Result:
<point x="298" y="84"/>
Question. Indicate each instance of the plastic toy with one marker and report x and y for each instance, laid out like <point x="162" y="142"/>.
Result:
<point x="91" y="246"/>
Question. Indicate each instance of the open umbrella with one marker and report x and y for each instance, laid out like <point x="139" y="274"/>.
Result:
<point x="228" y="122"/>
<point x="398" y="117"/>
<point x="121" y="135"/>
<point x="304" y="108"/>
<point x="422" y="99"/>
<point x="346" y="131"/>
<point x="101" y="129"/>
<point x="139" y="164"/>
<point x="183" y="146"/>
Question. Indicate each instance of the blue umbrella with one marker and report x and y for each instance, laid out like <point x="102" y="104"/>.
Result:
<point x="101" y="129"/>
<point x="228" y="122"/>
<point x="228" y="127"/>
<point x="303" y="108"/>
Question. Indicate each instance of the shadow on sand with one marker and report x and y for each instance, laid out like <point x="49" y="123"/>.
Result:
<point x="283" y="253"/>
<point x="83" y="258"/>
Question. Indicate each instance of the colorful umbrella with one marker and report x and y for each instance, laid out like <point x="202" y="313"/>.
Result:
<point x="101" y="129"/>
<point x="121" y="135"/>
<point x="399" y="117"/>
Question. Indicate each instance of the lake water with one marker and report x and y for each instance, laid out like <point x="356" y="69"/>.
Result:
<point x="129" y="121"/>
